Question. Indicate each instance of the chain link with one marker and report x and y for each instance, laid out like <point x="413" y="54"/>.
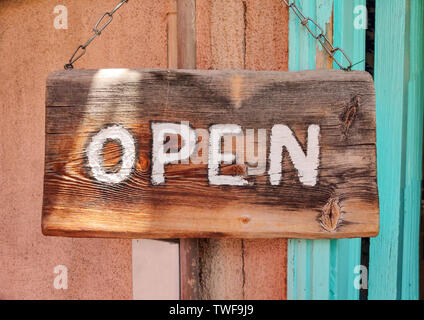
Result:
<point x="319" y="35"/>
<point x="81" y="49"/>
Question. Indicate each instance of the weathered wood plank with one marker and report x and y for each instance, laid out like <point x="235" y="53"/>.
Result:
<point x="82" y="102"/>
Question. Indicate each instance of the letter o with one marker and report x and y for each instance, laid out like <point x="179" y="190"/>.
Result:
<point x="95" y="154"/>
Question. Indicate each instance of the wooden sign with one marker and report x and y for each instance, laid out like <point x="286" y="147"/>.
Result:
<point x="238" y="154"/>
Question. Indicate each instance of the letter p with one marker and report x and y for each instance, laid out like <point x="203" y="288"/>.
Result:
<point x="160" y="157"/>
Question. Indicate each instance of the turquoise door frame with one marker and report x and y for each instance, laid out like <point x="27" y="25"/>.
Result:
<point x="325" y="269"/>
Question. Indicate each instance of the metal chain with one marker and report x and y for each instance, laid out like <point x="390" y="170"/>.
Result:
<point x="319" y="35"/>
<point x="80" y="51"/>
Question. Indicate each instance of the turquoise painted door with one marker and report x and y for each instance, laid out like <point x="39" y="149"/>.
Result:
<point x="326" y="269"/>
<point x="394" y="255"/>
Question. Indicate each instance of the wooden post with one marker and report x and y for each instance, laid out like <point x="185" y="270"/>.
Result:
<point x="189" y="248"/>
<point x="186" y="22"/>
<point x="172" y="34"/>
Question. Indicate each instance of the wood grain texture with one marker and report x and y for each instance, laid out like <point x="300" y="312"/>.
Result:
<point x="81" y="102"/>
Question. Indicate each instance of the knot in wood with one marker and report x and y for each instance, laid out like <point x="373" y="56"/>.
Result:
<point x="331" y="215"/>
